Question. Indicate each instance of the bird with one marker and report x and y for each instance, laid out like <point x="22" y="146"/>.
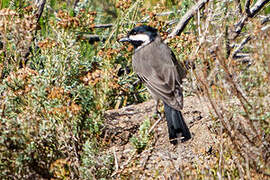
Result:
<point x="157" y="67"/>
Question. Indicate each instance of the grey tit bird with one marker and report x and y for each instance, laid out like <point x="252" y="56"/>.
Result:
<point x="157" y="67"/>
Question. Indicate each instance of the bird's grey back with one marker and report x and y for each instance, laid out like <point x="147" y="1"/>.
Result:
<point x="157" y="66"/>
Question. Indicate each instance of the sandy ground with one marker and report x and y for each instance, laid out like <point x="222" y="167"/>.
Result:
<point x="160" y="158"/>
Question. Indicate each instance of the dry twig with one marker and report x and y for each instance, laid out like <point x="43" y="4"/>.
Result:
<point x="115" y="160"/>
<point x="239" y="6"/>
<point x="241" y="45"/>
<point x="40" y="4"/>
<point x="155" y="124"/>
<point x="250" y="12"/>
<point x="186" y="18"/>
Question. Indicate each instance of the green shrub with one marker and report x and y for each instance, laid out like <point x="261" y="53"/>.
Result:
<point x="141" y="140"/>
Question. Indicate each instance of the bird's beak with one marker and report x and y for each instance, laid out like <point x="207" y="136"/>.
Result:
<point x="124" y="39"/>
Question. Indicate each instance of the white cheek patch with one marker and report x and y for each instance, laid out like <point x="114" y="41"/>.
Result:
<point x="140" y="37"/>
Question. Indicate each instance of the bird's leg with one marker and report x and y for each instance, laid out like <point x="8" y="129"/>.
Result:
<point x="157" y="113"/>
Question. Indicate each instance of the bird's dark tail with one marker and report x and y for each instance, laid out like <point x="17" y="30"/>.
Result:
<point x="176" y="124"/>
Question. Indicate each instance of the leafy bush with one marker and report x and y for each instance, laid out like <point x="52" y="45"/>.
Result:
<point x="49" y="106"/>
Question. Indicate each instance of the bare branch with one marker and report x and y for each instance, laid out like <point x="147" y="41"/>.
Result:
<point x="91" y="38"/>
<point x="239" y="6"/>
<point x="154" y="125"/>
<point x="239" y="26"/>
<point x="40" y="4"/>
<point x="247" y="9"/>
<point x="103" y="26"/>
<point x="115" y="160"/>
<point x="252" y="12"/>
<point x="186" y="18"/>
<point x="240" y="47"/>
<point x="242" y="56"/>
<point x="227" y="42"/>
<point x="265" y="28"/>
<point x="257" y="7"/>
<point x="265" y="19"/>
<point x="75" y="3"/>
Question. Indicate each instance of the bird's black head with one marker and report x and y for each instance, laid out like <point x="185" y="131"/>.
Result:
<point x="140" y="35"/>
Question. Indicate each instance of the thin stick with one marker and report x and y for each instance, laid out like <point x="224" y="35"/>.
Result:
<point x="115" y="160"/>
<point x="252" y="12"/>
<point x="154" y="125"/>
<point x="241" y="46"/>
<point x="186" y="18"/>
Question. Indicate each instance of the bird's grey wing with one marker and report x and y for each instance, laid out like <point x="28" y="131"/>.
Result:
<point x="156" y="67"/>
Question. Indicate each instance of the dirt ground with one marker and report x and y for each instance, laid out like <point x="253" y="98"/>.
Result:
<point x="160" y="158"/>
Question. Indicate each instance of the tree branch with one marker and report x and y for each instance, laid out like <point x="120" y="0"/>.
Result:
<point x="257" y="7"/>
<point x="103" y="26"/>
<point x="186" y="18"/>
<point x="247" y="9"/>
<point x="265" y="19"/>
<point x="250" y="13"/>
<point x="240" y="47"/>
<point x="40" y="4"/>
<point x="91" y="38"/>
<point x="239" y="6"/>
